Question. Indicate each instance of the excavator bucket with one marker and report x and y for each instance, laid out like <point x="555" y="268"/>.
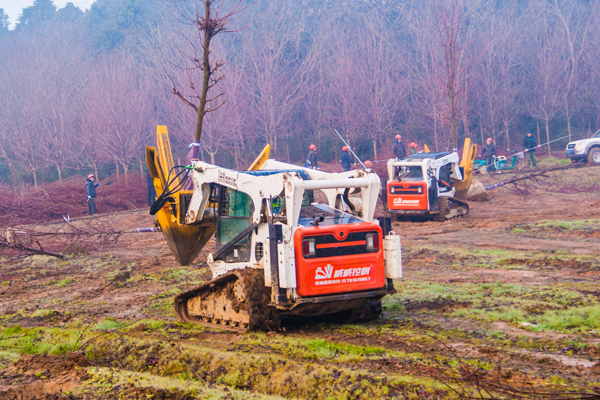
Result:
<point x="260" y="160"/>
<point x="466" y="166"/>
<point x="185" y="241"/>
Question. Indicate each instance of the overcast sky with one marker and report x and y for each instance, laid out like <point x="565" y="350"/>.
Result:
<point x="13" y="7"/>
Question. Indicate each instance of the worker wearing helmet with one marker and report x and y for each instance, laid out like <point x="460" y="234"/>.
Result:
<point x="90" y="193"/>
<point x="368" y="164"/>
<point x="489" y="151"/>
<point x="399" y="150"/>
<point x="412" y="149"/>
<point x="311" y="160"/>
<point x="346" y="159"/>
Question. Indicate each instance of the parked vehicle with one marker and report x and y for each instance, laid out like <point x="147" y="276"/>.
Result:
<point x="586" y="150"/>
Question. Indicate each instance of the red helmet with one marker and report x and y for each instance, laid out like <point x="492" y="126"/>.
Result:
<point x="312" y="147"/>
<point x="368" y="163"/>
<point x="91" y="176"/>
<point x="413" y="144"/>
<point x="489" y="139"/>
<point x="398" y="137"/>
<point x="345" y="148"/>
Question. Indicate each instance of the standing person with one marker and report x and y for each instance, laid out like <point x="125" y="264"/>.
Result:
<point x="489" y="150"/>
<point x="90" y="193"/>
<point x="346" y="159"/>
<point x="311" y="160"/>
<point x="530" y="144"/>
<point x="151" y="189"/>
<point x="399" y="150"/>
<point x="412" y="148"/>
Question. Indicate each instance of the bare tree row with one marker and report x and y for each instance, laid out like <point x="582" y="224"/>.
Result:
<point x="433" y="71"/>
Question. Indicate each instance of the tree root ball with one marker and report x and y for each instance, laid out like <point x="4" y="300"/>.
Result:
<point x="76" y="248"/>
<point x="477" y="192"/>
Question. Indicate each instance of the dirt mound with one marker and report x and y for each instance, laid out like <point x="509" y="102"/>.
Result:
<point x="52" y="201"/>
<point x="40" y="376"/>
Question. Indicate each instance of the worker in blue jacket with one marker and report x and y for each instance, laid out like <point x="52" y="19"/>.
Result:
<point x="90" y="193"/>
<point x="346" y="159"/>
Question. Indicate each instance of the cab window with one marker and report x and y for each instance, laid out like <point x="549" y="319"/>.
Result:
<point x="235" y="215"/>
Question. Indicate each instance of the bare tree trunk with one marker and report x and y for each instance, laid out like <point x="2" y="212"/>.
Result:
<point x="435" y="135"/>
<point x="453" y="111"/>
<point x="287" y="147"/>
<point x="96" y="173"/>
<point x="59" y="170"/>
<point x="538" y="132"/>
<point x="208" y="34"/>
<point x="35" y="183"/>
<point x="142" y="167"/>
<point x="375" y="150"/>
<point x="117" y="169"/>
<point x="481" y="127"/>
<point x="568" y="114"/>
<point x="125" y="169"/>
<point x="236" y="151"/>
<point x="212" y="157"/>
<point x="548" y="136"/>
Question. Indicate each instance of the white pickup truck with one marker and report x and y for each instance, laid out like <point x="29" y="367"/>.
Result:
<point x="587" y="150"/>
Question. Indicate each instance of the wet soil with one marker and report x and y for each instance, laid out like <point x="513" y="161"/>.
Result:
<point x="137" y="277"/>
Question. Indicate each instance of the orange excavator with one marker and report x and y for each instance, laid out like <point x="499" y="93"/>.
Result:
<point x="277" y="252"/>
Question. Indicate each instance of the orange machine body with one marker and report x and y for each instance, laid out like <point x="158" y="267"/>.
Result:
<point x="340" y="259"/>
<point x="407" y="196"/>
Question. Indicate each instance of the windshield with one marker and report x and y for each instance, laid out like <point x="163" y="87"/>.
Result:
<point x="597" y="134"/>
<point x="331" y="216"/>
<point x="412" y="174"/>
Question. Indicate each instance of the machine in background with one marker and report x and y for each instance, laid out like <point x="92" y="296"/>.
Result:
<point x="431" y="185"/>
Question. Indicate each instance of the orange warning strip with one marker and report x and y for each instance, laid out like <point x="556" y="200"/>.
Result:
<point x="341" y="244"/>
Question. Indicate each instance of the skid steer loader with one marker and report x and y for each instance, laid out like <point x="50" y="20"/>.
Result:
<point x="432" y="184"/>
<point x="277" y="252"/>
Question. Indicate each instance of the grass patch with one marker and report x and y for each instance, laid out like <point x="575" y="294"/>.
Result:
<point x="42" y="313"/>
<point x="326" y="349"/>
<point x="64" y="282"/>
<point x="61" y="283"/>
<point x="39" y="340"/>
<point x="103" y="381"/>
<point x="109" y="323"/>
<point x="557" y="308"/>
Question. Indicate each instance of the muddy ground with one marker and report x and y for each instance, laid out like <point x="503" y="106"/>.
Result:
<point x="502" y="304"/>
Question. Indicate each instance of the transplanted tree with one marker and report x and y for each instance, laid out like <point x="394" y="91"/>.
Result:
<point x="208" y="18"/>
